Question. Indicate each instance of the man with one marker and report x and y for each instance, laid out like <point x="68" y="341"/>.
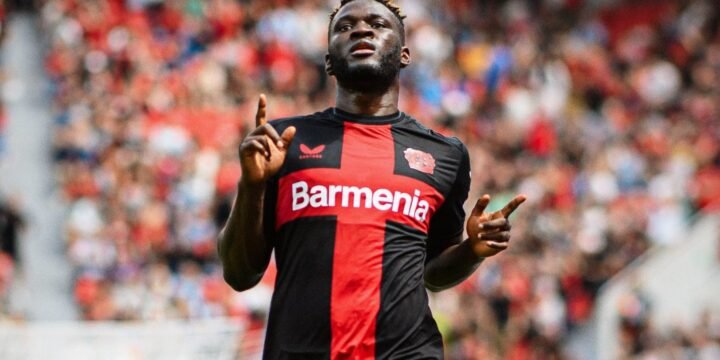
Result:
<point x="362" y="205"/>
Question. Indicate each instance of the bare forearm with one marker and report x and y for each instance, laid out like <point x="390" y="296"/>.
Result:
<point x="243" y="250"/>
<point x="451" y="267"/>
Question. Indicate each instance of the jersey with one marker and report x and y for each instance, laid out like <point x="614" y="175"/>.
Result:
<point x="354" y="214"/>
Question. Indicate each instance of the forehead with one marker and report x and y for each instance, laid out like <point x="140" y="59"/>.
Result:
<point x="364" y="8"/>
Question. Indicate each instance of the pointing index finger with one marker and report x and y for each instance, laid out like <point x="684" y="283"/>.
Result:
<point x="512" y="205"/>
<point x="481" y="204"/>
<point x="260" y="119"/>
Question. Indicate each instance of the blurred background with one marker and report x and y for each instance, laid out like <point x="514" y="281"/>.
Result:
<point x="120" y="122"/>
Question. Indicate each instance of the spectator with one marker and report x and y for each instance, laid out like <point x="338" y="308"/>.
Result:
<point x="11" y="225"/>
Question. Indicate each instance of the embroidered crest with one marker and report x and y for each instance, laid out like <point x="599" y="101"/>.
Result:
<point x="420" y="161"/>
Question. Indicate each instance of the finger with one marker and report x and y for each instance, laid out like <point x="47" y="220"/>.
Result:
<point x="498" y="236"/>
<point x="512" y="205"/>
<point x="288" y="135"/>
<point x="270" y="131"/>
<point x="263" y="140"/>
<point x="496" y="224"/>
<point x="481" y="204"/>
<point x="497" y="245"/>
<point x="253" y="146"/>
<point x="260" y="115"/>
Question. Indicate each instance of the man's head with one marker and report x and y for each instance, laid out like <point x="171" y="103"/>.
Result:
<point x="366" y="45"/>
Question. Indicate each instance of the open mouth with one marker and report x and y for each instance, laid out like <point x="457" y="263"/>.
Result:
<point x="362" y="48"/>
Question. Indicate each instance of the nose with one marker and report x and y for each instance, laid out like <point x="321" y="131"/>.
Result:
<point x="362" y="30"/>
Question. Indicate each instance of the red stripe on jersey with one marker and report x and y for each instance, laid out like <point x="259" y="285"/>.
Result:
<point x="377" y="196"/>
<point x="357" y="261"/>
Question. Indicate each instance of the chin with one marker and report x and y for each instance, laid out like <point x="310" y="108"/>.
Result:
<point x="363" y="68"/>
<point x="369" y="61"/>
<point x="365" y="74"/>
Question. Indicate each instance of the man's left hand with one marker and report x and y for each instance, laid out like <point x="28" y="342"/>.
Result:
<point x="489" y="233"/>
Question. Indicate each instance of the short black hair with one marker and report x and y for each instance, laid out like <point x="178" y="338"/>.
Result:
<point x="390" y="4"/>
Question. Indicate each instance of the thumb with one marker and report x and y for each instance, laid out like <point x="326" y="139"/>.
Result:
<point x="288" y="135"/>
<point x="480" y="205"/>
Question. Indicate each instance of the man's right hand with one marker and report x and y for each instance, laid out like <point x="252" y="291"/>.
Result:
<point x="263" y="151"/>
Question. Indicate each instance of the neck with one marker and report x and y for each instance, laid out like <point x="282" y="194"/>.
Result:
<point x="370" y="104"/>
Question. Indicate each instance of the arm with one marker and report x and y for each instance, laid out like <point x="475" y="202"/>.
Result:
<point x="244" y="251"/>
<point x="451" y="267"/>
<point x="488" y="234"/>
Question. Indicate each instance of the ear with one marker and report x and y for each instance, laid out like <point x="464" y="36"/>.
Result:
<point x="405" y="58"/>
<point x="328" y="66"/>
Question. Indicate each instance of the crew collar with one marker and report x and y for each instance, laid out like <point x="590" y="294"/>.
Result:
<point x="367" y="119"/>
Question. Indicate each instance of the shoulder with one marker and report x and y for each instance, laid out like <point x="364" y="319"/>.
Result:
<point x="451" y="142"/>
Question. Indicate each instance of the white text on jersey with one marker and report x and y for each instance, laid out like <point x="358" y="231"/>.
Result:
<point x="356" y="197"/>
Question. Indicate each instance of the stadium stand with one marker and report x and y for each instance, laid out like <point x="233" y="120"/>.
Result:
<point x="606" y="118"/>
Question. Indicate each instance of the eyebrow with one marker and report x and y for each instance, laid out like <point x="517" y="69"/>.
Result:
<point x="370" y="16"/>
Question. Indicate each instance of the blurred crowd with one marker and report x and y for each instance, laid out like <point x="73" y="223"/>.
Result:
<point x="3" y="27"/>
<point x="606" y="118"/>
<point x="7" y="265"/>
<point x="641" y="338"/>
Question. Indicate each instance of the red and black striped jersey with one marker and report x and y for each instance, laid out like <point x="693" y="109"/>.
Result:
<point x="357" y="209"/>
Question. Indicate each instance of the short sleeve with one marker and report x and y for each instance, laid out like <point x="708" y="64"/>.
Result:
<point x="447" y="224"/>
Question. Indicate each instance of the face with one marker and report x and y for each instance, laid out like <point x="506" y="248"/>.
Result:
<point x="365" y="50"/>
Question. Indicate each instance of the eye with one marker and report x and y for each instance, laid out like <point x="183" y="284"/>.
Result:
<point x="378" y="25"/>
<point x="344" y="28"/>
